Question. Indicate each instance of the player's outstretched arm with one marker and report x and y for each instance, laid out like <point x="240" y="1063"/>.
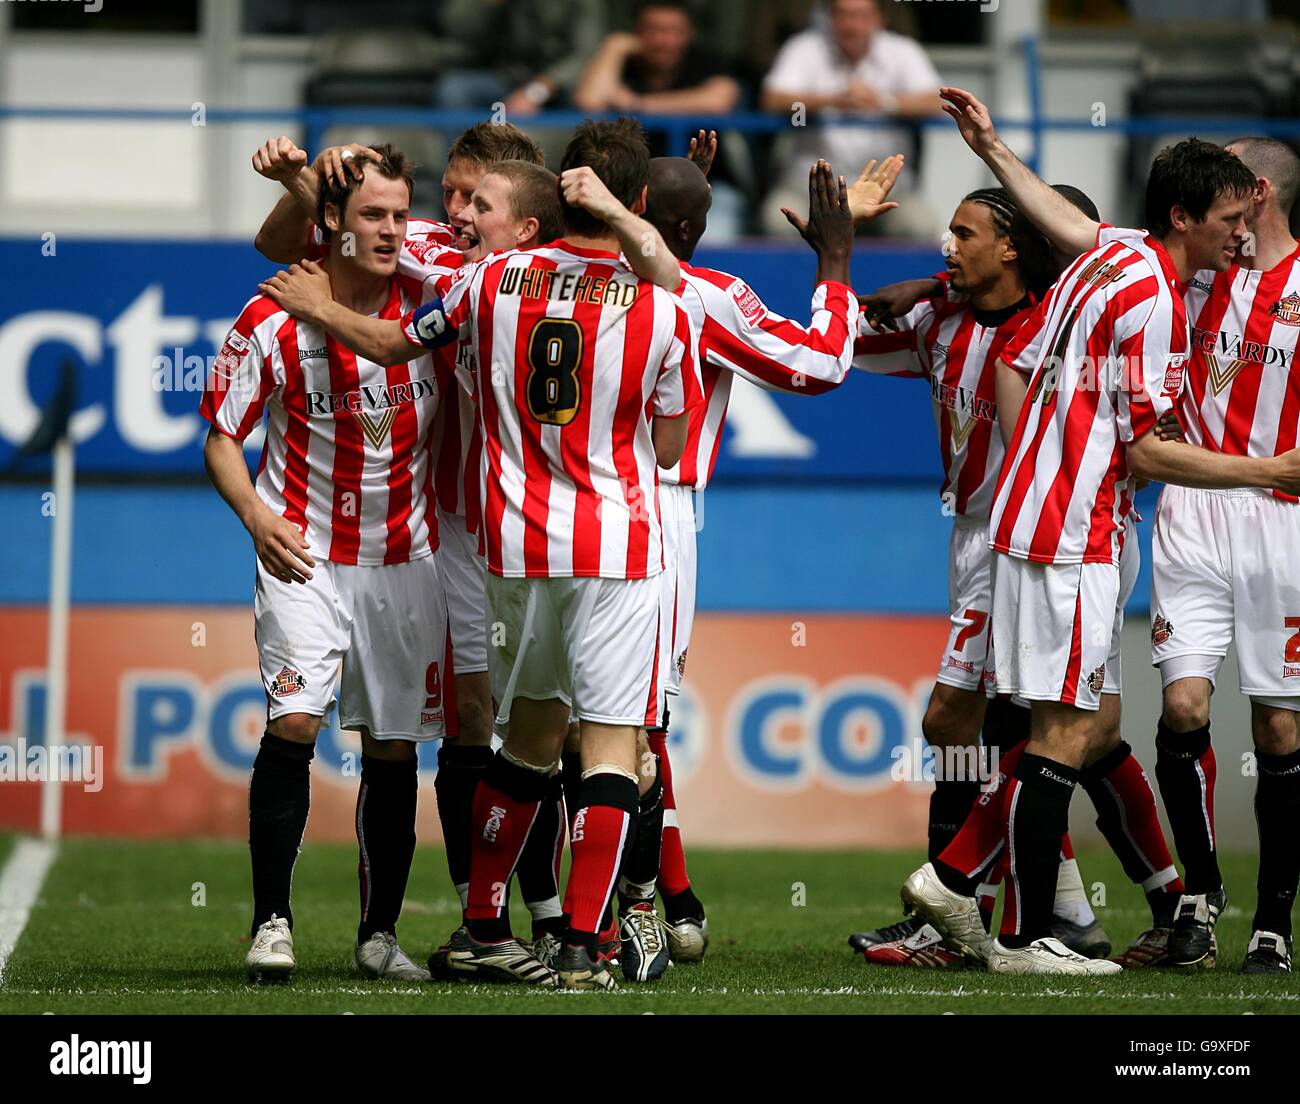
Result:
<point x="304" y="291"/>
<point x="1065" y="225"/>
<point x="1170" y="461"/>
<point x="642" y="245"/>
<point x="885" y="306"/>
<point x="286" y="233"/>
<point x="280" y="545"/>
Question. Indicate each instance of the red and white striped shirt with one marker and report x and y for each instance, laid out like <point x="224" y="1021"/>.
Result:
<point x="574" y="357"/>
<point x="944" y="341"/>
<point x="737" y="335"/>
<point x="1107" y="351"/>
<point x="1243" y="384"/>
<point x="346" y="457"/>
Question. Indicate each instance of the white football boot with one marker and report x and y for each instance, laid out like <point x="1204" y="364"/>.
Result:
<point x="1046" y="956"/>
<point x="271" y="955"/>
<point x="381" y="957"/>
<point x="955" y="917"/>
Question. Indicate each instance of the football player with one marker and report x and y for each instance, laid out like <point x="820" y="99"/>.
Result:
<point x="348" y="604"/>
<point x="1105" y="355"/>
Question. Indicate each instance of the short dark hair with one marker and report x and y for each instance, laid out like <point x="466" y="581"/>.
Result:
<point x="1192" y="175"/>
<point x="392" y="164"/>
<point x="534" y="193"/>
<point x="487" y="142"/>
<point x="618" y="154"/>
<point x="1079" y="198"/>
<point x="1275" y="160"/>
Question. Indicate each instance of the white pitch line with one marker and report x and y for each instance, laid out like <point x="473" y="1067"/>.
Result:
<point x="20" y="883"/>
<point x="425" y="993"/>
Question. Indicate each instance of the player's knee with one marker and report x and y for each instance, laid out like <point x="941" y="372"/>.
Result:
<point x="944" y="725"/>
<point x="390" y="751"/>
<point x="475" y="721"/>
<point x="1186" y="706"/>
<point x="1274" y="731"/>
<point x="1106" y="740"/>
<point x="300" y="728"/>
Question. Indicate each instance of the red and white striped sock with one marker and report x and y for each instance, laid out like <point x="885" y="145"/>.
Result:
<point x="505" y="806"/>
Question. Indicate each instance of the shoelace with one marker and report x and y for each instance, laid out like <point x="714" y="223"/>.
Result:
<point x="902" y="930"/>
<point x="647" y="925"/>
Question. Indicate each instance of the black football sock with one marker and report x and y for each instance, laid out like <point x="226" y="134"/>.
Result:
<point x="459" y="770"/>
<point x="1185" y="772"/>
<point x="641" y="864"/>
<point x="1127" y="818"/>
<point x="683" y="906"/>
<point x="955" y="880"/>
<point x="1005" y="724"/>
<point x="1038" y="815"/>
<point x="385" y="840"/>
<point x="1277" y="815"/>
<point x="539" y="865"/>
<point x="949" y="806"/>
<point x="279" y="796"/>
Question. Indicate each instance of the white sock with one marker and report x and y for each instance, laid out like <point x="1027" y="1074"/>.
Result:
<point x="1071" y="900"/>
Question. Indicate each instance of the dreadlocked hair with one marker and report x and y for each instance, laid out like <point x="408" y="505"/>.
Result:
<point x="1002" y="208"/>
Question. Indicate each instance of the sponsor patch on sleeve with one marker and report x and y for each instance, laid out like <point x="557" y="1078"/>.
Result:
<point x="1174" y="375"/>
<point x="231" y="356"/>
<point x="749" y="304"/>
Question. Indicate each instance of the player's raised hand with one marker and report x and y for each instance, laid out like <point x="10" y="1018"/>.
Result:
<point x="704" y="148"/>
<point x="581" y="187"/>
<point x="336" y="163"/>
<point x="867" y="193"/>
<point x="829" y="226"/>
<point x="302" y="290"/>
<point x="972" y="117"/>
<point x="281" y="546"/>
<point x="279" y="159"/>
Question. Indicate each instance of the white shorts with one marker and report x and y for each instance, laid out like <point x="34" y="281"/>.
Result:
<point x="1226" y="564"/>
<point x="1057" y="628"/>
<point x="462" y="571"/>
<point x="677" y="583"/>
<point x="967" y="661"/>
<point x="591" y="643"/>
<point x="371" y="637"/>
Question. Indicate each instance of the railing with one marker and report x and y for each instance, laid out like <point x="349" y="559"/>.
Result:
<point x="676" y="129"/>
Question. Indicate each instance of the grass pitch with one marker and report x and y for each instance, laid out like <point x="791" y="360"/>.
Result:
<point x="161" y="928"/>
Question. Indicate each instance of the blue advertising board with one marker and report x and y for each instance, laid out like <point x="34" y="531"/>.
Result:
<point x="143" y="320"/>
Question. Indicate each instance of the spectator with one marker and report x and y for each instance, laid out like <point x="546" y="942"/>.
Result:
<point x="526" y="54"/>
<point x="658" y="70"/>
<point x="851" y="66"/>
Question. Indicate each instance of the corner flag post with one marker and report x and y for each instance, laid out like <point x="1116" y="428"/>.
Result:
<point x="56" y="676"/>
